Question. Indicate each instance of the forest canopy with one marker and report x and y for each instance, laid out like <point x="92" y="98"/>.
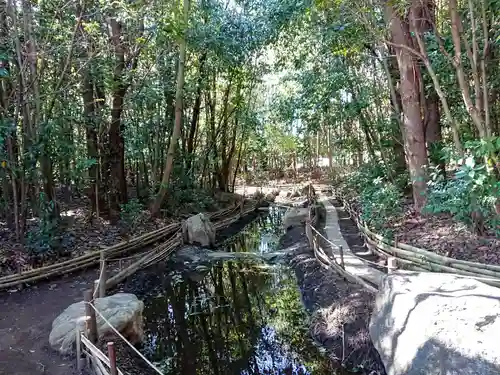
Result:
<point x="150" y="103"/>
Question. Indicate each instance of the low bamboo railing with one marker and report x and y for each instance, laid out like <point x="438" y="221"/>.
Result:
<point x="418" y="259"/>
<point x="170" y="235"/>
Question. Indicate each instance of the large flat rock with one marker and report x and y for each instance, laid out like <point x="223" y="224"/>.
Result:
<point x="122" y="310"/>
<point x="437" y="324"/>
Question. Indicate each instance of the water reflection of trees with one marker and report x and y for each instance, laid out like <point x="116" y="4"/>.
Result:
<point x="240" y="319"/>
<point x="259" y="236"/>
<point x="237" y="320"/>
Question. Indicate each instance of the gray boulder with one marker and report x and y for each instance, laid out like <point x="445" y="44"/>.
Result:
<point x="436" y="324"/>
<point x="270" y="197"/>
<point x="294" y="217"/>
<point x="199" y="230"/>
<point x="123" y="311"/>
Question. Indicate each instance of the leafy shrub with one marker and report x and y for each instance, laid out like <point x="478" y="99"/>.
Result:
<point x="189" y="199"/>
<point x="380" y="201"/>
<point x="379" y="198"/>
<point x="131" y="212"/>
<point x="47" y="237"/>
<point x="363" y="177"/>
<point x="469" y="196"/>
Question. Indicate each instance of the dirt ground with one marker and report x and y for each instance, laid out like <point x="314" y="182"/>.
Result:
<point x="340" y="311"/>
<point x="25" y="322"/>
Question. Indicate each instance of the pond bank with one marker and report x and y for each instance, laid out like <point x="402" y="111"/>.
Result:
<point x="340" y="310"/>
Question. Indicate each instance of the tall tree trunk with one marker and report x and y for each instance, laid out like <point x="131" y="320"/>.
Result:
<point x="422" y="21"/>
<point x="92" y="144"/>
<point x="456" y="32"/>
<point x="410" y="98"/>
<point x="162" y="193"/>
<point x="433" y="135"/>
<point x="196" y="113"/>
<point x="7" y="119"/>
<point x="117" y="193"/>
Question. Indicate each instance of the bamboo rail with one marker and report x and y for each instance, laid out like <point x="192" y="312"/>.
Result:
<point x="421" y="259"/>
<point x="223" y="218"/>
<point x="328" y="262"/>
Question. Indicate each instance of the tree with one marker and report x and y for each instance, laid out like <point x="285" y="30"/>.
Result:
<point x="178" y="116"/>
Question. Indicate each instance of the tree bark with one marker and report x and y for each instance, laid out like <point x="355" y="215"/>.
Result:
<point x="433" y="136"/>
<point x="410" y="98"/>
<point x="92" y="145"/>
<point x="456" y="32"/>
<point x="117" y="192"/>
<point x="196" y="112"/>
<point x="162" y="193"/>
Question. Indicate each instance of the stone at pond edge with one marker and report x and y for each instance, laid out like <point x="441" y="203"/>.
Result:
<point x="429" y="323"/>
<point x="270" y="197"/>
<point x="198" y="229"/>
<point x="295" y="217"/>
<point x="122" y="310"/>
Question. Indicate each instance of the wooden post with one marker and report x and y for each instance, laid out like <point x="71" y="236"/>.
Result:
<point x="392" y="264"/>
<point x="113" y="370"/>
<point x="78" y="347"/>
<point x="103" y="279"/>
<point x="341" y="250"/>
<point x="91" y="318"/>
<point x="309" y="234"/>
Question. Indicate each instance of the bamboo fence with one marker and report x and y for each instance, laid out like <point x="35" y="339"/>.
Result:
<point x="418" y="259"/>
<point x="170" y="235"/>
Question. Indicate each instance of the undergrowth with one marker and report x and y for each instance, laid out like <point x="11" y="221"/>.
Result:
<point x="469" y="191"/>
<point x="471" y="194"/>
<point x="379" y="198"/>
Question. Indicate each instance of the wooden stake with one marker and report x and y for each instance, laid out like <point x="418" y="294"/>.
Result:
<point x="309" y="234"/>
<point x="113" y="370"/>
<point x="102" y="280"/>
<point x="97" y="194"/>
<point x="78" y="348"/>
<point x="91" y="320"/>
<point x="341" y="251"/>
<point x="392" y="264"/>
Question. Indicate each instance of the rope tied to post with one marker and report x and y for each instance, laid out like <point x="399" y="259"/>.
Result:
<point x="124" y="339"/>
<point x="357" y="256"/>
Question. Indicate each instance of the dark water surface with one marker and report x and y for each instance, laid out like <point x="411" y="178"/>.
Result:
<point x="233" y="318"/>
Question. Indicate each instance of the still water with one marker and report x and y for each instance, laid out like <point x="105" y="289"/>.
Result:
<point x="233" y="318"/>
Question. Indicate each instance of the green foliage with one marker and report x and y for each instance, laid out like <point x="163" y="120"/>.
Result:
<point x="131" y="212"/>
<point x="189" y="200"/>
<point x="48" y="236"/>
<point x="380" y="199"/>
<point x="470" y="196"/>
